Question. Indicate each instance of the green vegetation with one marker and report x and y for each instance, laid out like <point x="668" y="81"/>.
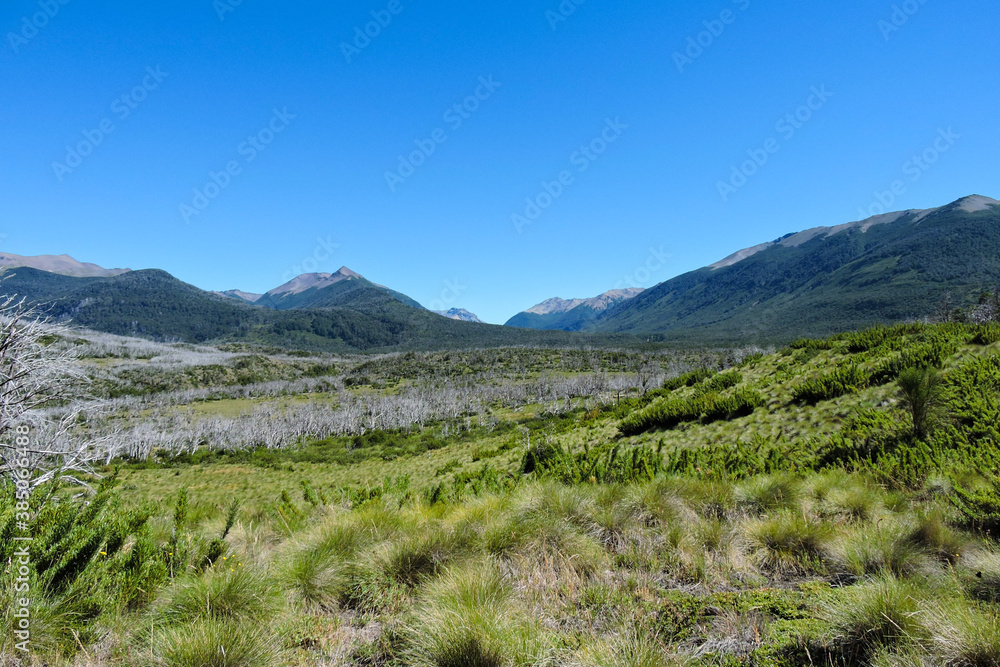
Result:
<point x="353" y="317"/>
<point x="713" y="517"/>
<point x="815" y="285"/>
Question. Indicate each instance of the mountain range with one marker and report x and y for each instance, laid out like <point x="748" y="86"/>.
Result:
<point x="888" y="268"/>
<point x="572" y="314"/>
<point x="347" y="315"/>
<point x="61" y="264"/>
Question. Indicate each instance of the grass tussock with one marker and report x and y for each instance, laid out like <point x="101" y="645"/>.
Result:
<point x="886" y="615"/>
<point x="216" y="643"/>
<point x="468" y="618"/>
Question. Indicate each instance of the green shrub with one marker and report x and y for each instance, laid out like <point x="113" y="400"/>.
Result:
<point x="706" y="408"/>
<point x="847" y="379"/>
<point x="811" y="344"/>
<point x="720" y="382"/>
<point x="688" y="379"/>
<point x="607" y="464"/>
<point x="922" y="394"/>
<point x="979" y="508"/>
<point x="986" y="334"/>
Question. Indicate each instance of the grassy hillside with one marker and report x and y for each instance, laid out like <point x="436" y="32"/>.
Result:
<point x="835" y="502"/>
<point x="889" y="273"/>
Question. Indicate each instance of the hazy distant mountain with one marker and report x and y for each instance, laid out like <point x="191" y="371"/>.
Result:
<point x="460" y="314"/>
<point x="329" y="290"/>
<point x="570" y="314"/>
<point x="246" y="297"/>
<point x="888" y="268"/>
<point x="63" y="265"/>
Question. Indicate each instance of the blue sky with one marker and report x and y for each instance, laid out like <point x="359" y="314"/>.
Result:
<point x="618" y="121"/>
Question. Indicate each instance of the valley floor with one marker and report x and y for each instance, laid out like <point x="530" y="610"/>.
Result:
<point x="552" y="508"/>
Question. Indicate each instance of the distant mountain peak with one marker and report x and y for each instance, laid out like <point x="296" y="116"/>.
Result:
<point x="598" y="303"/>
<point x="307" y="281"/>
<point x="347" y="273"/>
<point x="460" y="314"/>
<point x="571" y="314"/>
<point x="976" y="203"/>
<point x="249" y="297"/>
<point x="60" y="264"/>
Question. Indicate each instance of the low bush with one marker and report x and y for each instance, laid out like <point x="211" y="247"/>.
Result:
<point x="847" y="379"/>
<point x="689" y="379"/>
<point x="705" y="408"/>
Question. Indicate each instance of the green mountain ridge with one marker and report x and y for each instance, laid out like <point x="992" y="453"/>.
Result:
<point x="835" y="279"/>
<point x="366" y="318"/>
<point x="892" y="268"/>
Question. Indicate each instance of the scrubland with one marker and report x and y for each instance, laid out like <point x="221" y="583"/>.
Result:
<point x="835" y="502"/>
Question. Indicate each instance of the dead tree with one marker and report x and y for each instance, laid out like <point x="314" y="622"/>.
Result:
<point x="37" y="381"/>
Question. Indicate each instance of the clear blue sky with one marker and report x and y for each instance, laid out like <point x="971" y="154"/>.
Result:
<point x="324" y="174"/>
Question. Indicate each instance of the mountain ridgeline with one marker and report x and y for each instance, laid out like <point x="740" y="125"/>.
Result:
<point x="890" y="268"/>
<point x="344" y="316"/>
<point x="571" y="314"/>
